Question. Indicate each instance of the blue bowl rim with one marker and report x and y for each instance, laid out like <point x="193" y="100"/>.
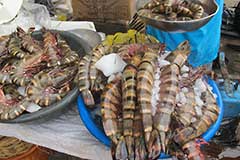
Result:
<point x="101" y="136"/>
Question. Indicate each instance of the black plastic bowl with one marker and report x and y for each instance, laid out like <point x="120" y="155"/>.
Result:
<point x="81" y="47"/>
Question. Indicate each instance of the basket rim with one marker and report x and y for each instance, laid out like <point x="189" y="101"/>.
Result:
<point x="21" y="156"/>
<point x="30" y="151"/>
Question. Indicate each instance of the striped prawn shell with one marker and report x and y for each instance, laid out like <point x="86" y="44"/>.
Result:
<point x="47" y="88"/>
<point x="129" y="99"/>
<point x="5" y="72"/>
<point x="160" y="6"/>
<point x="111" y="110"/>
<point x="94" y="75"/>
<point x="167" y="102"/>
<point x="4" y="53"/>
<point x="49" y="40"/>
<point x="63" y="45"/>
<point x="38" y="94"/>
<point x="68" y="56"/>
<point x="167" y="3"/>
<point x="193" y="76"/>
<point x="168" y="6"/>
<point x="128" y="52"/>
<point x="180" y="55"/>
<point x="152" y="4"/>
<point x="193" y="150"/>
<point x="197" y="9"/>
<point x="138" y="127"/>
<point x="210" y="113"/>
<point x="186" y="112"/>
<point x="3" y="41"/>
<point x="13" y="107"/>
<point x="22" y="81"/>
<point x="211" y="103"/>
<point x="196" y="129"/>
<point x="84" y="80"/>
<point x="133" y="53"/>
<point x="28" y="43"/>
<point x="14" y="47"/>
<point x="167" y="97"/>
<point x="5" y="78"/>
<point x="169" y="87"/>
<point x="21" y="73"/>
<point x="83" y="76"/>
<point x="100" y="82"/>
<point x="159" y="9"/>
<point x="71" y="56"/>
<point x="184" y="11"/>
<point x="17" y="75"/>
<point x="139" y="142"/>
<point x="12" y="112"/>
<point x="51" y="49"/>
<point x="172" y="16"/>
<point x="145" y="78"/>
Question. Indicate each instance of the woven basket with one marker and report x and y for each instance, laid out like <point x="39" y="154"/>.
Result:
<point x="15" y="149"/>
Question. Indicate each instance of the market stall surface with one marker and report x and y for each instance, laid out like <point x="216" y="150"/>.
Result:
<point x="65" y="134"/>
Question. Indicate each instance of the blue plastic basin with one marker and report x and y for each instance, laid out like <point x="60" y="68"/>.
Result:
<point x="231" y="104"/>
<point x="101" y="136"/>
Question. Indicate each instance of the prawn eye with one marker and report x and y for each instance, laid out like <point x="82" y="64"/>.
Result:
<point x="168" y="10"/>
<point x="184" y="46"/>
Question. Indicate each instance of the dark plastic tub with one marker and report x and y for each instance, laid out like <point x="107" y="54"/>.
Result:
<point x="101" y="136"/>
<point x="81" y="47"/>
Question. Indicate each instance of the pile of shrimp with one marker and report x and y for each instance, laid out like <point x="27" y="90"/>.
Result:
<point x="157" y="104"/>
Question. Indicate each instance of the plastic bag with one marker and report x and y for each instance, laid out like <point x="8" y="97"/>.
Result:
<point x="60" y="9"/>
<point x="63" y="5"/>
<point x="30" y="15"/>
<point x="38" y="12"/>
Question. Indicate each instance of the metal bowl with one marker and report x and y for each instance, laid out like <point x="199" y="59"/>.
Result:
<point x="81" y="47"/>
<point x="210" y="6"/>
